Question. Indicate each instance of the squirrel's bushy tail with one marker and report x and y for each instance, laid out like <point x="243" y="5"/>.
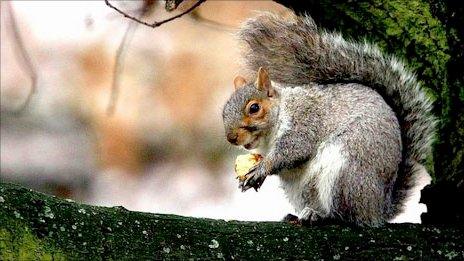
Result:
<point x="296" y="52"/>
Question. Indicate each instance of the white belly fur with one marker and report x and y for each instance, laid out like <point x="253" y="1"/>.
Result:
<point x="323" y="171"/>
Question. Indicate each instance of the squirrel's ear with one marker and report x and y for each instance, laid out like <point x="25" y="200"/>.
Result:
<point x="239" y="82"/>
<point x="263" y="83"/>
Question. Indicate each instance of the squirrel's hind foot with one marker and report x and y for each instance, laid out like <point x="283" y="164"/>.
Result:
<point x="291" y="219"/>
<point x="311" y="217"/>
<point x="308" y="217"/>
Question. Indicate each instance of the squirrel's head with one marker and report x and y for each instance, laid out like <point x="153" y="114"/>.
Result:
<point x="248" y="114"/>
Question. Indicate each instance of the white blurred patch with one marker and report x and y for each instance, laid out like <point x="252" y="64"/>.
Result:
<point x="191" y="193"/>
<point x="414" y="209"/>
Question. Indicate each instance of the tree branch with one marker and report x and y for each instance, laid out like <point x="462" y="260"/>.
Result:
<point x="23" y="58"/>
<point x="123" y="46"/>
<point x="35" y="226"/>
<point x="154" y="24"/>
<point x="119" y="65"/>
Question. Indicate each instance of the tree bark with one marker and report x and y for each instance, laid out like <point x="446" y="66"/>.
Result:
<point x="37" y="226"/>
<point x="427" y="35"/>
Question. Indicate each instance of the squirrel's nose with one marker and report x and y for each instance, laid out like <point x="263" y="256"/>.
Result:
<point x="232" y="138"/>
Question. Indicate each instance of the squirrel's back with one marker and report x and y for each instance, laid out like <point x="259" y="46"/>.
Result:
<point x="296" y="52"/>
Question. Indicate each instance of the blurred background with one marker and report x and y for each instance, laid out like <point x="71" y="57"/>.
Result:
<point x="163" y="149"/>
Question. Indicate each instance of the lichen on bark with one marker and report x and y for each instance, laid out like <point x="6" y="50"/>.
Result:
<point x="38" y="226"/>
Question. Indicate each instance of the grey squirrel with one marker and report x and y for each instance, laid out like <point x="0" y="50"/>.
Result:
<point x="345" y="127"/>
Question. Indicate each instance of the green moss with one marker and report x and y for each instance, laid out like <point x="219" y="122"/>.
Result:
<point x="18" y="243"/>
<point x="407" y="29"/>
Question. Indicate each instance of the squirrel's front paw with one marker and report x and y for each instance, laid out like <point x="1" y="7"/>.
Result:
<point x="254" y="178"/>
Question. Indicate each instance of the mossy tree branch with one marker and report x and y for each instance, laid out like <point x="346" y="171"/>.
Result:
<point x="38" y="226"/>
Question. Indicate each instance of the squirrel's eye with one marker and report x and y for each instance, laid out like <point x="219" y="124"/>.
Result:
<point x="254" y="108"/>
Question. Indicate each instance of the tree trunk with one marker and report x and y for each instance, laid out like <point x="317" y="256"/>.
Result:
<point x="427" y="35"/>
<point x="37" y="226"/>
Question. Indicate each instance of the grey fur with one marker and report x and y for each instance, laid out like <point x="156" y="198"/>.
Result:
<point x="369" y="132"/>
<point x="296" y="52"/>
<point x="318" y="108"/>
<point x="232" y="112"/>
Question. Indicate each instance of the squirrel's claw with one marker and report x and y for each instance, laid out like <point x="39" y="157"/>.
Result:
<point x="254" y="179"/>
<point x="244" y="187"/>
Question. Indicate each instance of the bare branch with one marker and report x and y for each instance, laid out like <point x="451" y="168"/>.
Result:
<point x="23" y="57"/>
<point x="121" y="55"/>
<point x="119" y="65"/>
<point x="155" y="24"/>
<point x="121" y="52"/>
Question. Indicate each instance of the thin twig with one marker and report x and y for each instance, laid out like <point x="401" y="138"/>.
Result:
<point x="154" y="24"/>
<point x="118" y="65"/>
<point x="121" y="55"/>
<point x="23" y="58"/>
<point x="123" y="46"/>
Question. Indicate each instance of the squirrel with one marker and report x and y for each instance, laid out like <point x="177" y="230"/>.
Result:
<point x="345" y="127"/>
